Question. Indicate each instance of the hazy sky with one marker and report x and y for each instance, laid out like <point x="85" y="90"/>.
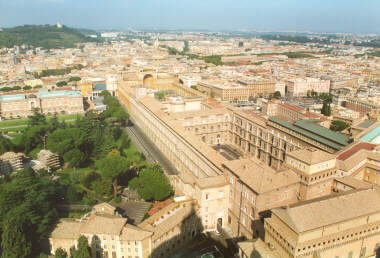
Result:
<point x="313" y="15"/>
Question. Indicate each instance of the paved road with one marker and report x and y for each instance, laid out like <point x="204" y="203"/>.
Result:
<point x="151" y="152"/>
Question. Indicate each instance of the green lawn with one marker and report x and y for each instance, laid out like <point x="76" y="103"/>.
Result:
<point x="21" y="123"/>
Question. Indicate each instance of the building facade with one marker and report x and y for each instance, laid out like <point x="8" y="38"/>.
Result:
<point x="21" y="105"/>
<point x="321" y="228"/>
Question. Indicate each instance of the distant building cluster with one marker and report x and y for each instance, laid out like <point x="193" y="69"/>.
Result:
<point x="240" y="121"/>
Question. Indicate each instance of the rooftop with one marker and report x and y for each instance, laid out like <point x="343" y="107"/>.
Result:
<point x="357" y="147"/>
<point x="100" y="87"/>
<point x="260" y="177"/>
<point x="311" y="156"/>
<point x="330" y="210"/>
<point x="310" y="129"/>
<point x="50" y="94"/>
<point x="372" y="136"/>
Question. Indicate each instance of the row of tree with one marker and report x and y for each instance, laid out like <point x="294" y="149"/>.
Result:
<point x="56" y="72"/>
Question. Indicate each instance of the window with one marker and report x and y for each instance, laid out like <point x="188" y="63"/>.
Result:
<point x="232" y="180"/>
<point x="206" y="196"/>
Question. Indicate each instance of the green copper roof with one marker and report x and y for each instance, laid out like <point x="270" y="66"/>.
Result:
<point x="311" y="126"/>
<point x="318" y="133"/>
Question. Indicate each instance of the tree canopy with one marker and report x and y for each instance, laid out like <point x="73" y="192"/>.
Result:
<point x="27" y="213"/>
<point x="151" y="184"/>
<point x="112" y="167"/>
<point x="338" y="125"/>
<point x="83" y="249"/>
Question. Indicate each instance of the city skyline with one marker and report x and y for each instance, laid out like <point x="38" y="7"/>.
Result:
<point x="294" y="15"/>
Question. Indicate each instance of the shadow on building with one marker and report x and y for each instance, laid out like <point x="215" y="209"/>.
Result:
<point x="185" y="227"/>
<point x="97" y="250"/>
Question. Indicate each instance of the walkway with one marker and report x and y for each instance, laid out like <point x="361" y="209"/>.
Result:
<point x="149" y="149"/>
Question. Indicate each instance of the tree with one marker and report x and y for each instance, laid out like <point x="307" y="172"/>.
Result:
<point x="61" y="83"/>
<point x="113" y="167"/>
<point x="241" y="43"/>
<point x="37" y="118"/>
<point x="338" y="125"/>
<point x="83" y="250"/>
<point x="71" y="143"/>
<point x="16" y="242"/>
<point x="74" y="79"/>
<point x="60" y="253"/>
<point x="151" y="184"/>
<point x="277" y="94"/>
<point x="27" y="87"/>
<point x="27" y="213"/>
<point x="326" y="109"/>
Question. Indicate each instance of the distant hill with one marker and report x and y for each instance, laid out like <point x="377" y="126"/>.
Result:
<point x="46" y="36"/>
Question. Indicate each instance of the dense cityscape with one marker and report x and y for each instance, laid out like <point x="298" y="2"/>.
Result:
<point x="180" y="143"/>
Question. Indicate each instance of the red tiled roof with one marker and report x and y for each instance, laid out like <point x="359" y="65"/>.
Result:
<point x="360" y="146"/>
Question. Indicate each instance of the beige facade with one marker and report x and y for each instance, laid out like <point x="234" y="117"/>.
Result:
<point x="254" y="189"/>
<point x="316" y="169"/>
<point x="110" y="236"/>
<point x="21" y="105"/>
<point x="11" y="161"/>
<point x="322" y="228"/>
<point x="243" y="90"/>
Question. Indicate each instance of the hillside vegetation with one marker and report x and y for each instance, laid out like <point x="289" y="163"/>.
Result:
<point x="46" y="36"/>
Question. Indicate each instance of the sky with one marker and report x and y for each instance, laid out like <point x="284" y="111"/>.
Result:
<point x="356" y="16"/>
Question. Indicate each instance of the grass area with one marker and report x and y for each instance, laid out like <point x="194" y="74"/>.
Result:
<point x="21" y="123"/>
<point x="12" y="130"/>
<point x="16" y="139"/>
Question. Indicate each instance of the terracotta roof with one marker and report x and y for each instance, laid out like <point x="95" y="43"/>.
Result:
<point x="67" y="228"/>
<point x="355" y="148"/>
<point x="311" y="156"/>
<point x="322" y="212"/>
<point x="212" y="182"/>
<point x="131" y="232"/>
<point x="103" y="224"/>
<point x="260" y="177"/>
<point x="353" y="182"/>
<point x="168" y="218"/>
<point x="356" y="158"/>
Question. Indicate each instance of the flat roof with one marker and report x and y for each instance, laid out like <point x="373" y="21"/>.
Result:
<point x="49" y="94"/>
<point x="372" y="135"/>
<point x="12" y="97"/>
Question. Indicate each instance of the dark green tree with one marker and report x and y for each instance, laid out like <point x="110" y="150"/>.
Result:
<point x="61" y="83"/>
<point x="326" y="108"/>
<point x="60" y="253"/>
<point x="37" y="118"/>
<point x="83" y="249"/>
<point x="71" y="143"/>
<point x="338" y="125"/>
<point x="112" y="167"/>
<point x="16" y="241"/>
<point x="151" y="184"/>
<point x="277" y="94"/>
<point x="74" y="79"/>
